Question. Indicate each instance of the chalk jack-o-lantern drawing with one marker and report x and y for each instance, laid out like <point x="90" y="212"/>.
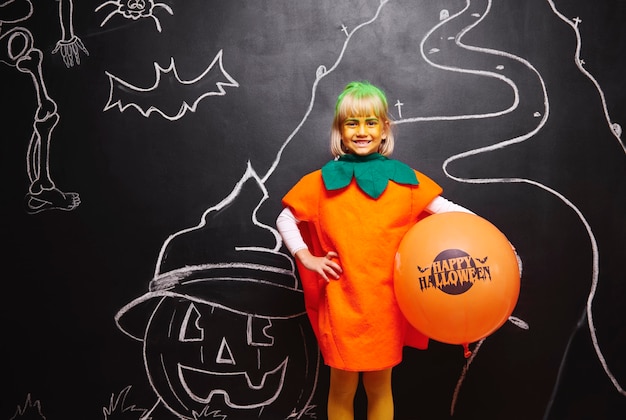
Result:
<point x="223" y="326"/>
<point x="200" y="354"/>
<point x="210" y="352"/>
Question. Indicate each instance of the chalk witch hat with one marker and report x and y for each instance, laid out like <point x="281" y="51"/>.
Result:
<point x="228" y="260"/>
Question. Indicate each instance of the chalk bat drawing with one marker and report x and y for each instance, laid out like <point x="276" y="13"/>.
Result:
<point x="170" y="96"/>
<point x="17" y="49"/>
<point x="134" y="9"/>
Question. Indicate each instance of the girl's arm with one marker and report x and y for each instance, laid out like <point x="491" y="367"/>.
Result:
<point x="287" y="225"/>
<point x="442" y="205"/>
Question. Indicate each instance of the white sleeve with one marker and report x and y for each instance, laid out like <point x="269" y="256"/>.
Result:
<point x="442" y="205"/>
<point x="287" y="225"/>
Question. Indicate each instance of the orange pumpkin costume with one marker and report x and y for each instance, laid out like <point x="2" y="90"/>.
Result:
<point x="356" y="319"/>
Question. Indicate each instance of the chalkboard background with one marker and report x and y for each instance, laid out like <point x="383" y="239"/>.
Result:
<point x="515" y="108"/>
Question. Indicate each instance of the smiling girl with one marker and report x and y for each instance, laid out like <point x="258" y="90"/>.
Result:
<point x="343" y="224"/>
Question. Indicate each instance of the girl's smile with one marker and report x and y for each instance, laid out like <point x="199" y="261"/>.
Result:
<point x="362" y="135"/>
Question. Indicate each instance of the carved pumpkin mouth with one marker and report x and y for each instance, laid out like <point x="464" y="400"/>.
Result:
<point x="265" y="392"/>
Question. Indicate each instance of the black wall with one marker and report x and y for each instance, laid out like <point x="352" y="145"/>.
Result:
<point x="515" y="108"/>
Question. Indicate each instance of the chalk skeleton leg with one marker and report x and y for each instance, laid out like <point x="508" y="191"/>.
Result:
<point x="42" y="192"/>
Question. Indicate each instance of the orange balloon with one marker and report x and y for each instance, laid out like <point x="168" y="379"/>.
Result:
<point x="456" y="277"/>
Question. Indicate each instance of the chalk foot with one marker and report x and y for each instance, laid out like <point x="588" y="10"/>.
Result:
<point x="51" y="199"/>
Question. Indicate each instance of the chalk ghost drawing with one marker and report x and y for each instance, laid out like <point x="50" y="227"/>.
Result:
<point x="17" y="49"/>
<point x="223" y="325"/>
<point x="170" y="96"/>
<point x="134" y="10"/>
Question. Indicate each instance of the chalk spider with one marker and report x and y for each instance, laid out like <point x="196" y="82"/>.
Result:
<point x="134" y="9"/>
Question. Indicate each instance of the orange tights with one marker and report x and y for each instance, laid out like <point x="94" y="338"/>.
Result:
<point x="343" y="386"/>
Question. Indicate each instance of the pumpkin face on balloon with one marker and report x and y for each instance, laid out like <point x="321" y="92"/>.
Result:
<point x="202" y="356"/>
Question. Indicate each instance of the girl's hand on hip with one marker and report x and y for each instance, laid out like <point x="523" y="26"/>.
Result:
<point x="324" y="266"/>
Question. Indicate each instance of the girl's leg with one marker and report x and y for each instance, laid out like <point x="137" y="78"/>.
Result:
<point x="379" y="396"/>
<point x="343" y="385"/>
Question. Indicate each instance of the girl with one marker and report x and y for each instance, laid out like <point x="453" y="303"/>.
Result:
<point x="343" y="224"/>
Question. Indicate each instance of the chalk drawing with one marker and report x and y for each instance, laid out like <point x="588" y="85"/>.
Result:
<point x="478" y="10"/>
<point x="30" y="410"/>
<point x="17" y="49"/>
<point x="118" y="407"/>
<point x="169" y="96"/>
<point x="225" y="330"/>
<point x="617" y="132"/>
<point x="236" y="269"/>
<point x="544" y="116"/>
<point x="399" y="105"/>
<point x="575" y="23"/>
<point x="192" y="292"/>
<point x="134" y="9"/>
<point x="69" y="46"/>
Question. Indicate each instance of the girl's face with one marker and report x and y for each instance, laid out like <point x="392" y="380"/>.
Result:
<point x="362" y="135"/>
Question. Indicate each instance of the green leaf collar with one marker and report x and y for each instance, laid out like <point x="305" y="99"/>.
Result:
<point x="372" y="173"/>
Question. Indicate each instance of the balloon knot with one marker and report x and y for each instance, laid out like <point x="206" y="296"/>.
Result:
<point x="466" y="351"/>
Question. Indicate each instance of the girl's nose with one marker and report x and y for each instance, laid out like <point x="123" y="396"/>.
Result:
<point x="362" y="130"/>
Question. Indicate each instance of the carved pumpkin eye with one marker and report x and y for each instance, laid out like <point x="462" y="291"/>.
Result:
<point x="258" y="332"/>
<point x="190" y="329"/>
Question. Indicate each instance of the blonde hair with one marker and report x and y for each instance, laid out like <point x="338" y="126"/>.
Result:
<point x="361" y="99"/>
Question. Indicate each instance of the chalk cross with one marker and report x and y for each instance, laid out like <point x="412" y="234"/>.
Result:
<point x="399" y="106"/>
